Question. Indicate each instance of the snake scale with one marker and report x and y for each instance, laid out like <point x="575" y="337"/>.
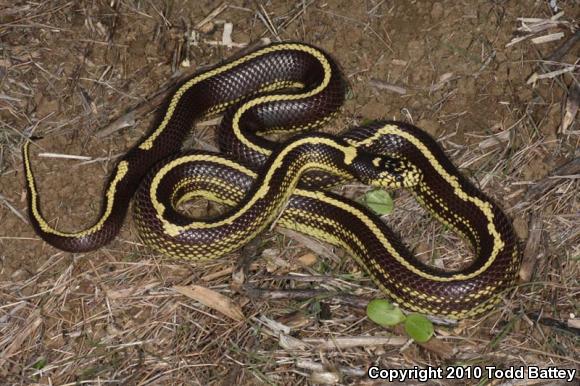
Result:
<point x="296" y="87"/>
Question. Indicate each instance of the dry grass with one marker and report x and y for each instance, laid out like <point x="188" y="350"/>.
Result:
<point x="70" y="72"/>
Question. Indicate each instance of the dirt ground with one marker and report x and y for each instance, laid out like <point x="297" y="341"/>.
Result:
<point x="71" y="71"/>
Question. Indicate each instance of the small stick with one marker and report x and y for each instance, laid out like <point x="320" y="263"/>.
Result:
<point x="548" y="38"/>
<point x="13" y="209"/>
<point x="558" y="53"/>
<point x="307" y="279"/>
<point x="225" y="272"/>
<point x="571" y="168"/>
<point x="243" y="265"/>
<point x="263" y="15"/>
<point x="531" y="255"/>
<point x="552" y="74"/>
<point x="356" y="341"/>
<point x="65" y="156"/>
<point x="299" y="294"/>
<point x="152" y="102"/>
<point x="212" y="15"/>
<point x="260" y="293"/>
<point x="313" y="366"/>
<point x="289" y="21"/>
<point x="555" y="323"/>
<point x="382" y="85"/>
<point x="564" y="48"/>
<point x="571" y="109"/>
<point x="143" y="108"/>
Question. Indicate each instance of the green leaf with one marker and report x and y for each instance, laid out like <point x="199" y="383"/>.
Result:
<point x="379" y="201"/>
<point x="40" y="363"/>
<point x="383" y="313"/>
<point x="418" y="327"/>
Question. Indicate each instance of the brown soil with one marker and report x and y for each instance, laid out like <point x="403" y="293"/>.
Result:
<point x="68" y="69"/>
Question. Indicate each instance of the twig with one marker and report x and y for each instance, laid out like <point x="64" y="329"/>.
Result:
<point x="299" y="294"/>
<point x="564" y="48"/>
<point x="356" y="341"/>
<point x="13" y="209"/>
<point x="320" y="248"/>
<point x="289" y="21"/>
<point x="382" y="85"/>
<point x="558" y="53"/>
<point x="65" y="156"/>
<point x="548" y="38"/>
<point x="309" y="365"/>
<point x="212" y="15"/>
<point x="263" y="15"/>
<point x="550" y="322"/>
<point x="531" y="251"/>
<point x="143" y="108"/>
<point x="571" y="109"/>
<point x="158" y="97"/>
<point x="247" y="255"/>
<point x="549" y="182"/>
<point x="548" y="75"/>
<point x="260" y="293"/>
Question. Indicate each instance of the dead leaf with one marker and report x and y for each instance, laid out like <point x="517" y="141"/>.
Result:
<point x="308" y="259"/>
<point x="212" y="299"/>
<point x="440" y="348"/>
<point x="572" y="103"/>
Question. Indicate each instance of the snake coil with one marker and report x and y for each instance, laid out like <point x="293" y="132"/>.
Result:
<point x="295" y="86"/>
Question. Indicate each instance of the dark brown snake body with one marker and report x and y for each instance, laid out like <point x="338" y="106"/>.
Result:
<point x="294" y="86"/>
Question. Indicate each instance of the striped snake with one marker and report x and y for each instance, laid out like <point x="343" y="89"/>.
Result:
<point x="295" y="86"/>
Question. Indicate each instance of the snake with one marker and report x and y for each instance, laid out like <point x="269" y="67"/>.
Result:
<point x="296" y="87"/>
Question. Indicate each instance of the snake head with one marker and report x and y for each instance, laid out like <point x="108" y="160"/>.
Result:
<point x="394" y="173"/>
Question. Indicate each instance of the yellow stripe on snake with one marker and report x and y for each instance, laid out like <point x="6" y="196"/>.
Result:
<point x="295" y="86"/>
